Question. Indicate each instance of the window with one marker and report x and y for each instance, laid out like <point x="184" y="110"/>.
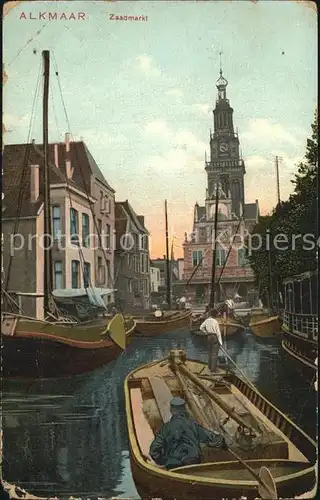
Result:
<point x="58" y="275"/>
<point x="108" y="273"/>
<point x="85" y="230"/>
<point x="75" y="269"/>
<point x="220" y="256"/>
<point x="242" y="258"/>
<point x="136" y="241"/>
<point x="86" y="274"/>
<point x="108" y="232"/>
<point x="129" y="286"/>
<point x="142" y="263"/>
<point x="74" y="225"/>
<point x="101" y="272"/>
<point x="101" y="201"/>
<point x="197" y="258"/>
<point x="147" y="263"/>
<point x="56" y="222"/>
<point x="99" y="223"/>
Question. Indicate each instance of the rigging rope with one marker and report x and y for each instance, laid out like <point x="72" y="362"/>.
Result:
<point x="24" y="172"/>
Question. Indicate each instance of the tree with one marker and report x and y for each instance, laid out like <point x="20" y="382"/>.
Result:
<point x="293" y="221"/>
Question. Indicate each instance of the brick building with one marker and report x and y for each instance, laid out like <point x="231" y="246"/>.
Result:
<point x="132" y="269"/>
<point x="225" y="170"/>
<point x="73" y="175"/>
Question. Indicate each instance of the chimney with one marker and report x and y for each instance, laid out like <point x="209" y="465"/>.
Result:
<point x="67" y="141"/>
<point x="69" y="169"/>
<point x="56" y="155"/>
<point x="34" y="183"/>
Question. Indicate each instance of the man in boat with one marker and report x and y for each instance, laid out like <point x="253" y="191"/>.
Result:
<point x="178" y="443"/>
<point x="211" y="328"/>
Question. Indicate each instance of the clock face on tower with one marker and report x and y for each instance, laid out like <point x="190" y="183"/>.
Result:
<point x="223" y="147"/>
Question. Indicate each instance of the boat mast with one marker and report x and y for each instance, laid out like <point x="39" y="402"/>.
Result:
<point x="270" y="294"/>
<point x="167" y="257"/>
<point x="46" y="210"/>
<point x="213" y="273"/>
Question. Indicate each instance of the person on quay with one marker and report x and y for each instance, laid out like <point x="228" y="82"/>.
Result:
<point x="211" y="328"/>
<point x="178" y="442"/>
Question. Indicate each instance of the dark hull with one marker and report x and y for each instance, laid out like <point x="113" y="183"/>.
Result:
<point x="157" y="327"/>
<point x="32" y="357"/>
<point x="300" y="360"/>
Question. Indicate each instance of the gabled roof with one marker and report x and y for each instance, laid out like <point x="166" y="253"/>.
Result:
<point x="16" y="161"/>
<point x="16" y="178"/>
<point x="94" y="167"/>
<point x="133" y="216"/>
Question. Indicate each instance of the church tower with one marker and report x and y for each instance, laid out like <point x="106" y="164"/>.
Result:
<point x="226" y="165"/>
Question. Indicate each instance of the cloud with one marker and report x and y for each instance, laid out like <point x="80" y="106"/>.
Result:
<point x="158" y="127"/>
<point x="262" y="130"/>
<point x="181" y="142"/>
<point x="175" y="92"/>
<point x="91" y="137"/>
<point x="203" y="109"/>
<point x="11" y="121"/>
<point x="146" y="65"/>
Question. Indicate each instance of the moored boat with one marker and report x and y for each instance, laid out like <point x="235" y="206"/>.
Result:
<point x="265" y="327"/>
<point x="170" y="321"/>
<point x="300" y="320"/>
<point x="228" y="327"/>
<point x="38" y="349"/>
<point x="276" y="442"/>
<point x="306" y="364"/>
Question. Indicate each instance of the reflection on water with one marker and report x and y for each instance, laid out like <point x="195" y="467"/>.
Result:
<point x="69" y="437"/>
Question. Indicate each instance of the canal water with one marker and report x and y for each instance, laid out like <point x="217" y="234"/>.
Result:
<point x="69" y="437"/>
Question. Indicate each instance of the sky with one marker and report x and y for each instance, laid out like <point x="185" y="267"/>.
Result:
<point x="141" y="93"/>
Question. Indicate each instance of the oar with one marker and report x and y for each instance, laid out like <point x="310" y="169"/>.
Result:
<point x="117" y="331"/>
<point x="182" y="368"/>
<point x="267" y="488"/>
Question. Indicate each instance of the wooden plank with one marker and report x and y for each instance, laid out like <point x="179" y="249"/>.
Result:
<point x="142" y="427"/>
<point x="163" y="396"/>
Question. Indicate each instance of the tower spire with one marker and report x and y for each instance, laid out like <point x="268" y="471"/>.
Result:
<point x="220" y="54"/>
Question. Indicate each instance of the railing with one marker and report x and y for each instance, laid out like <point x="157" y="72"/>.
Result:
<point x="302" y="325"/>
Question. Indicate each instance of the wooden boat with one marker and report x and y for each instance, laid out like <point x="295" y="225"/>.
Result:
<point x="230" y="326"/>
<point x="169" y="322"/>
<point x="303" y="360"/>
<point x="266" y="327"/>
<point x="38" y="349"/>
<point x="277" y="443"/>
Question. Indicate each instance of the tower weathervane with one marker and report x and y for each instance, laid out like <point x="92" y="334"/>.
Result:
<point x="220" y="54"/>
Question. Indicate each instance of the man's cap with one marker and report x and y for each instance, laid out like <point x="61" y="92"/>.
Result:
<point x="177" y="403"/>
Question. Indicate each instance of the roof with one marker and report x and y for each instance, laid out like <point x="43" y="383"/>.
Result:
<point x="251" y="211"/>
<point x="135" y="219"/>
<point x="94" y="167"/>
<point x="16" y="178"/>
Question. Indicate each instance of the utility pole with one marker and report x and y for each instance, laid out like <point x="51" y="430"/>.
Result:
<point x="278" y="159"/>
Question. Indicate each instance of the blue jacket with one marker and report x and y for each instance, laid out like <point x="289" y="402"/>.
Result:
<point x="179" y="440"/>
